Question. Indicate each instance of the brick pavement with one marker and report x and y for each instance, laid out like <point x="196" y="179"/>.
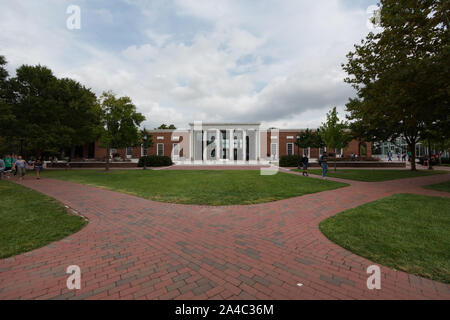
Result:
<point x="134" y="248"/>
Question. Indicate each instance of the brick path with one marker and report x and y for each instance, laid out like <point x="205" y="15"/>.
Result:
<point x="134" y="248"/>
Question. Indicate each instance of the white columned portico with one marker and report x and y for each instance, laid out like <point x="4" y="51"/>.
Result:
<point x="225" y="140"/>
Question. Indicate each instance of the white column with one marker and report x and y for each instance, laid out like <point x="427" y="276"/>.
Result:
<point x="191" y="145"/>
<point x="244" y="145"/>
<point x="205" y="139"/>
<point x="231" y="144"/>
<point x="218" y="153"/>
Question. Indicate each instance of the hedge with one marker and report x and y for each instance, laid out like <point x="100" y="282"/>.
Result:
<point x="289" y="161"/>
<point x="435" y="161"/>
<point x="155" y="161"/>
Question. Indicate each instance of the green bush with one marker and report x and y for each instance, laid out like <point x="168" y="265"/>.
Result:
<point x="435" y="161"/>
<point x="155" y="161"/>
<point x="289" y="161"/>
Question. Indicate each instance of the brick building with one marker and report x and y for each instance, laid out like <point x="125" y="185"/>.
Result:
<point x="222" y="143"/>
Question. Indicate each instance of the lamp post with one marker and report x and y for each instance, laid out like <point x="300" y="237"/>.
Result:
<point x="144" y="146"/>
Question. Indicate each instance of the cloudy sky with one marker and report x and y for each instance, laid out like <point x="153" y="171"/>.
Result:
<point x="276" y="62"/>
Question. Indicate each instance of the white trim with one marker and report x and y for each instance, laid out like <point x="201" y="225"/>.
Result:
<point x="160" y="138"/>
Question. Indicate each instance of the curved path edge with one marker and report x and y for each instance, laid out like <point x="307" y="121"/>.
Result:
<point x="135" y="248"/>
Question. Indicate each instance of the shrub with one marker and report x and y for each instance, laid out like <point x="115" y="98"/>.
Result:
<point x="289" y="161"/>
<point x="435" y="161"/>
<point x="155" y="161"/>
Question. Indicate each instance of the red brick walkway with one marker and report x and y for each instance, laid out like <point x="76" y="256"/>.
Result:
<point x="134" y="248"/>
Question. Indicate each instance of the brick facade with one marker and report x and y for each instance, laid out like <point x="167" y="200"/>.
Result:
<point x="169" y="137"/>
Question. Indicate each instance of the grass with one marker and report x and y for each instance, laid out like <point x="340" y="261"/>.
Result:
<point x="373" y="175"/>
<point x="207" y="187"/>
<point x="404" y="231"/>
<point x="444" y="186"/>
<point x="30" y="220"/>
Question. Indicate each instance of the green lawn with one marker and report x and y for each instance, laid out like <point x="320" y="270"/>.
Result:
<point x="373" y="175"/>
<point x="444" y="186"/>
<point x="208" y="187"/>
<point x="30" y="220"/>
<point x="404" y="231"/>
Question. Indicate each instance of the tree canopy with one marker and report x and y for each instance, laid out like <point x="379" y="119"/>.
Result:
<point x="121" y="123"/>
<point x="165" y="126"/>
<point x="335" y="133"/>
<point x="401" y="73"/>
<point x="47" y="114"/>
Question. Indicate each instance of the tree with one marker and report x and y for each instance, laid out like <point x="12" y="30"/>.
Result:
<point x="120" y="123"/>
<point x="37" y="110"/>
<point x="81" y="113"/>
<point x="335" y="133"/>
<point x="308" y="139"/>
<point x="7" y="119"/>
<point x="164" y="127"/>
<point x="147" y="142"/>
<point x="401" y="73"/>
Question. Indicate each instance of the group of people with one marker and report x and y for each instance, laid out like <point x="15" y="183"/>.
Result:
<point x="17" y="166"/>
<point x="401" y="156"/>
<point x="323" y="162"/>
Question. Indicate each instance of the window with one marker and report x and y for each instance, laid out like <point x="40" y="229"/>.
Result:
<point x="144" y="151"/>
<point x="160" y="150"/>
<point x="176" y="150"/>
<point x="129" y="151"/>
<point x="290" y="149"/>
<point x="273" y="150"/>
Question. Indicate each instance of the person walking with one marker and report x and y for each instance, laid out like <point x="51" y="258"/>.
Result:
<point x="398" y="156"/>
<point x="305" y="161"/>
<point x="38" y="164"/>
<point x="323" y="161"/>
<point x="21" y="166"/>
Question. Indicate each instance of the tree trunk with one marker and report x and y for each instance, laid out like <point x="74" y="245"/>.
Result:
<point x="335" y="159"/>
<point x="107" y="157"/>
<point x="412" y="147"/>
<point x="430" y="165"/>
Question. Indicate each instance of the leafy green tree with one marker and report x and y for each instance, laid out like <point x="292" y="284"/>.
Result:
<point x="120" y="123"/>
<point x="165" y="126"/>
<point x="308" y="139"/>
<point x="401" y="73"/>
<point x="335" y="133"/>
<point x="81" y="114"/>
<point x="37" y="110"/>
<point x="7" y="118"/>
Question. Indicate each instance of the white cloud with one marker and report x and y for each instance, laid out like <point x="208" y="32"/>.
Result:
<point x="270" y="61"/>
